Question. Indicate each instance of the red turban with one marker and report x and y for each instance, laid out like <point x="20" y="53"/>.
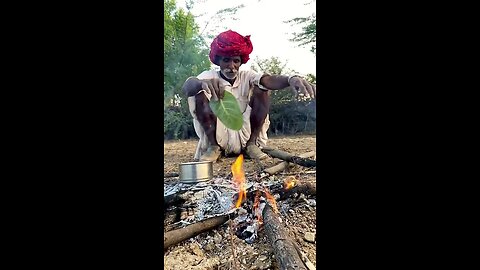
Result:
<point x="230" y="44"/>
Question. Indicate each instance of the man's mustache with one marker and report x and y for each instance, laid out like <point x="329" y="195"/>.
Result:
<point x="230" y="70"/>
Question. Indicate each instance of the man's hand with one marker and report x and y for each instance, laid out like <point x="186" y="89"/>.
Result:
<point x="301" y="85"/>
<point x="213" y="87"/>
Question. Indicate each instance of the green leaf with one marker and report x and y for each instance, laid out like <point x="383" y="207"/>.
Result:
<point x="228" y="111"/>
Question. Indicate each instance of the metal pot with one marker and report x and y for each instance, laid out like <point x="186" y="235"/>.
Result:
<point x="194" y="172"/>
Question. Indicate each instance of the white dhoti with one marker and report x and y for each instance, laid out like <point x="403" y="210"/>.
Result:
<point x="230" y="140"/>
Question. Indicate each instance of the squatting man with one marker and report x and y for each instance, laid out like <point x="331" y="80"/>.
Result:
<point x="229" y="50"/>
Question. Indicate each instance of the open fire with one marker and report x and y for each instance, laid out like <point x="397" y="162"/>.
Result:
<point x="243" y="202"/>
<point x="250" y="218"/>
<point x="239" y="179"/>
<point x="249" y="206"/>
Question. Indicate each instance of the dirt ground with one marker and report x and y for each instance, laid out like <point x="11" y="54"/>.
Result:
<point x="213" y="249"/>
<point x="176" y="152"/>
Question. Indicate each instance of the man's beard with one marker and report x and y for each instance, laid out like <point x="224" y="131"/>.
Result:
<point x="228" y="73"/>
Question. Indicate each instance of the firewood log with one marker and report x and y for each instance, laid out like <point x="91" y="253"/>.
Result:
<point x="283" y="245"/>
<point x="176" y="236"/>
<point x="283" y="165"/>
<point x="289" y="157"/>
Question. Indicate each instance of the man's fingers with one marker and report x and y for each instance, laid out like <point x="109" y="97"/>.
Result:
<point x="215" y="88"/>
<point x="294" y="90"/>
<point x="221" y="92"/>
<point x="302" y="89"/>
<point x="309" y="89"/>
<point x="220" y="89"/>
<point x="206" y="87"/>
<point x="214" y="94"/>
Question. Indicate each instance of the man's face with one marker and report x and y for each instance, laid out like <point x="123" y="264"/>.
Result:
<point x="229" y="66"/>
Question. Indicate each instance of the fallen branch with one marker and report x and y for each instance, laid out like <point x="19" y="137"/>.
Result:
<point x="176" y="236"/>
<point x="306" y="188"/>
<point x="283" y="246"/>
<point x="289" y="157"/>
<point x="283" y="165"/>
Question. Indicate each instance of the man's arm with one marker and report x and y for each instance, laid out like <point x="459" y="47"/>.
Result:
<point x="276" y="82"/>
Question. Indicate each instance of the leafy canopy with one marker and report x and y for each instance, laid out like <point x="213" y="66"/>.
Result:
<point x="308" y="34"/>
<point x="185" y="54"/>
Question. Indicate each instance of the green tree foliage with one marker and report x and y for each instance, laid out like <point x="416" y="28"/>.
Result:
<point x="311" y="78"/>
<point x="185" y="55"/>
<point x="184" y="52"/>
<point x="271" y="65"/>
<point x="308" y="35"/>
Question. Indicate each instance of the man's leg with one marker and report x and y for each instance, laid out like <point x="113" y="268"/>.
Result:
<point x="209" y="123"/>
<point x="260" y="104"/>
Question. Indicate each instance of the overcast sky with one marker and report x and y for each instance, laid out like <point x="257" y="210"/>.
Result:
<point x="264" y="21"/>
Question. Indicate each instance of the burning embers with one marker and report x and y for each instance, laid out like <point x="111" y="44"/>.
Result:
<point x="249" y="220"/>
<point x="289" y="182"/>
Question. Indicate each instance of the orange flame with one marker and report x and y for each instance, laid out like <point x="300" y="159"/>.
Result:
<point x="256" y="203"/>
<point x="271" y="201"/>
<point x="289" y="182"/>
<point x="239" y="179"/>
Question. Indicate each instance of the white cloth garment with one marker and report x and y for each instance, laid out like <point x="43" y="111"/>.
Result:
<point x="230" y="140"/>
